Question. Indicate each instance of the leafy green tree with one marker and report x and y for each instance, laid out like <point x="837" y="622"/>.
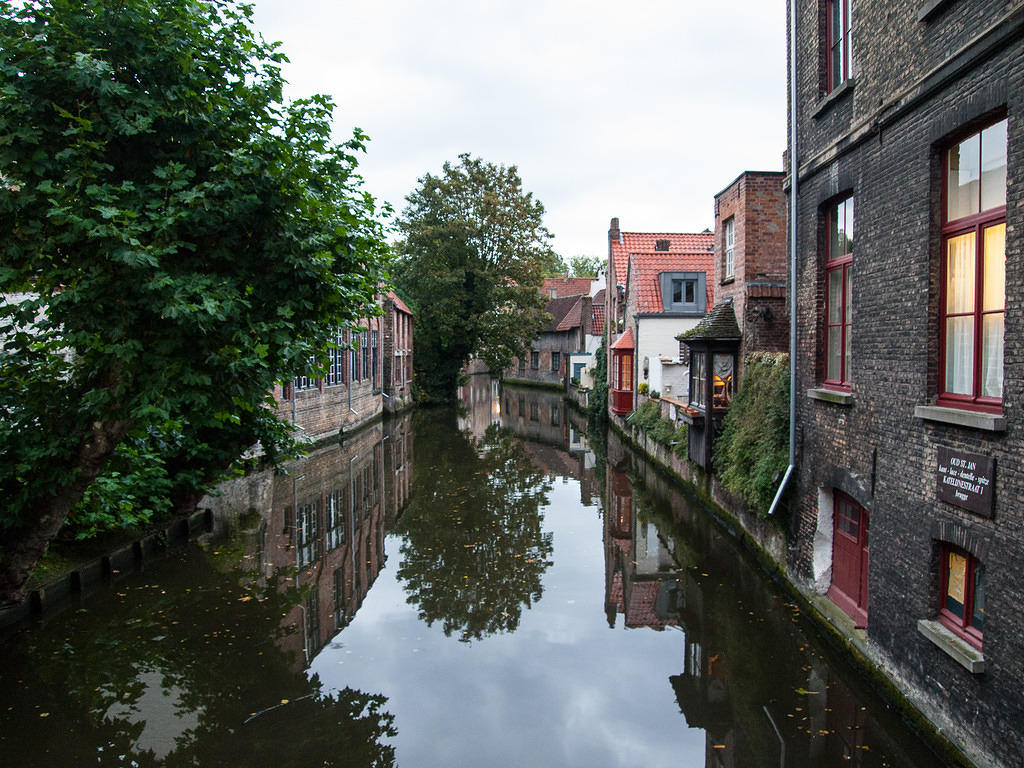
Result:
<point x="473" y="251"/>
<point x="585" y="266"/>
<point x="174" y="239"/>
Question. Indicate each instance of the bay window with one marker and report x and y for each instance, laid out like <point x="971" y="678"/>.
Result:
<point x="972" y="304"/>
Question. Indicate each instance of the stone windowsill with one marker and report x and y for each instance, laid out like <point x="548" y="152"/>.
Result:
<point x="728" y="280"/>
<point x="990" y="422"/>
<point x="962" y="652"/>
<point x="831" y="396"/>
<point x="931" y="8"/>
<point x="837" y="93"/>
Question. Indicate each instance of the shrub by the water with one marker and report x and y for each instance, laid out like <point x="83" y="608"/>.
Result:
<point x="752" y="451"/>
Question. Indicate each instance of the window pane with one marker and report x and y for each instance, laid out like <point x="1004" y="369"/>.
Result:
<point x="848" y="298"/>
<point x="834" y="372"/>
<point x="956" y="578"/>
<point x="690" y="291"/>
<point x="835" y="296"/>
<point x="960" y="274"/>
<point x="677" y="291"/>
<point x="846" y="356"/>
<point x="993" y="166"/>
<point x="848" y="224"/>
<point x="960" y="355"/>
<point x="964" y="179"/>
<point x="992" y="355"/>
<point x="994" y="276"/>
<point x="978" y="614"/>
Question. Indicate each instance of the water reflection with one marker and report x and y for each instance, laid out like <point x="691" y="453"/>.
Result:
<point x="602" y="618"/>
<point x="473" y="551"/>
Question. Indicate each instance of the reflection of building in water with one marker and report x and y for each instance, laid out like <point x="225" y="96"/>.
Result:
<point x="398" y="453"/>
<point x="640" y="572"/>
<point x="325" y="521"/>
<point x="555" y="431"/>
<point x="480" y="400"/>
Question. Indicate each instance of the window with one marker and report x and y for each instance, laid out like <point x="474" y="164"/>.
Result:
<point x="725" y="366"/>
<point x="697" y="380"/>
<point x="522" y="364"/>
<point x="661" y="245"/>
<point x="973" y="271"/>
<point x="839" y="43"/>
<point x="728" y="269"/>
<point x="683" y="292"/>
<point x="556" y="361"/>
<point x="534" y="359"/>
<point x="375" y="362"/>
<point x="336" y="364"/>
<point x="354" y="360"/>
<point x="364" y="343"/>
<point x="839" y="294"/>
<point x="962" y="593"/>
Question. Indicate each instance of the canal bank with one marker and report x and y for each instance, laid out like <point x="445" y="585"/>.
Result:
<point x="765" y="538"/>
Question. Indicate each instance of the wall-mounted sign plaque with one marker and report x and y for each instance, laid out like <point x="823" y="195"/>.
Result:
<point x="966" y="480"/>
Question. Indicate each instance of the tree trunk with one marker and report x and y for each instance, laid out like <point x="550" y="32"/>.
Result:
<point x="22" y="547"/>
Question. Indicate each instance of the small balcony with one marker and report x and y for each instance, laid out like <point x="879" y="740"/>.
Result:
<point x="622" y="401"/>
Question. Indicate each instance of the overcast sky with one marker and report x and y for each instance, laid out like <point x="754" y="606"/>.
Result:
<point x="642" y="110"/>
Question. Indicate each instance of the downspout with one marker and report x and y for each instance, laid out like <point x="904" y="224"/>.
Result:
<point x="792" y="256"/>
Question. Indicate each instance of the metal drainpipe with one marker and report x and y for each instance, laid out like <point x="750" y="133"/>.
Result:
<point x="792" y="255"/>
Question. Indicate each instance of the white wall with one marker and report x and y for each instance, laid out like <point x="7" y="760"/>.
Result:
<point x="656" y="337"/>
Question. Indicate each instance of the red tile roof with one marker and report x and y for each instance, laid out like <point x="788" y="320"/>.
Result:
<point x="399" y="304"/>
<point x="625" y="341"/>
<point x="567" y="286"/>
<point x="641" y="242"/>
<point x="645" y="268"/>
<point x="597" y="328"/>
<point x="566" y="313"/>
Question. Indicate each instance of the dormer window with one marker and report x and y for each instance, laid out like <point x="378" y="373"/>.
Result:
<point x="683" y="292"/>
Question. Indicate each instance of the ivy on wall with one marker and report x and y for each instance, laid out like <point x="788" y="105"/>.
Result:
<point x="752" y="451"/>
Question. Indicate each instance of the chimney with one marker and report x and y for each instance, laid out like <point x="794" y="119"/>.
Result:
<point x="614" y="235"/>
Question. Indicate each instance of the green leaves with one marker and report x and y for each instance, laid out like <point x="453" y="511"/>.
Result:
<point x="174" y="240"/>
<point x="471" y="261"/>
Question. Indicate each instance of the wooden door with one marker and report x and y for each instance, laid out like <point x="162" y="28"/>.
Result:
<point x="850" y="558"/>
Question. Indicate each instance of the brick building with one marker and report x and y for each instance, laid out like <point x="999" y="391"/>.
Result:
<point x="349" y="396"/>
<point x="397" y="360"/>
<point x="910" y="372"/>
<point x="750" y="258"/>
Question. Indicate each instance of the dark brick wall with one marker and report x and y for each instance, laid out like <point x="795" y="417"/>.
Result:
<point x="916" y="84"/>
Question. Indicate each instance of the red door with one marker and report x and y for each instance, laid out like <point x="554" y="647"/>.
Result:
<point x="850" y="558"/>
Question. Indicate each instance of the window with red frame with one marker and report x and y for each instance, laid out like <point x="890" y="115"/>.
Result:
<point x="974" y="271"/>
<point x="839" y="43"/>
<point x="962" y="594"/>
<point x="838" y="295"/>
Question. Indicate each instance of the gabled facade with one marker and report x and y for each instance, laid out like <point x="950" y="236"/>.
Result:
<point x="547" y="360"/>
<point x="667" y="289"/>
<point x="909" y="506"/>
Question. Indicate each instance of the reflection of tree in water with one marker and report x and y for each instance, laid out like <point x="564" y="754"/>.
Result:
<point x="473" y="550"/>
<point x="184" y="670"/>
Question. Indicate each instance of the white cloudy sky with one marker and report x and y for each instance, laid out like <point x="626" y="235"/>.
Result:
<point x="641" y="110"/>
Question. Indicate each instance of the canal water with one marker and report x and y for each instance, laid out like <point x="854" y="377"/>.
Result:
<point x="481" y="588"/>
